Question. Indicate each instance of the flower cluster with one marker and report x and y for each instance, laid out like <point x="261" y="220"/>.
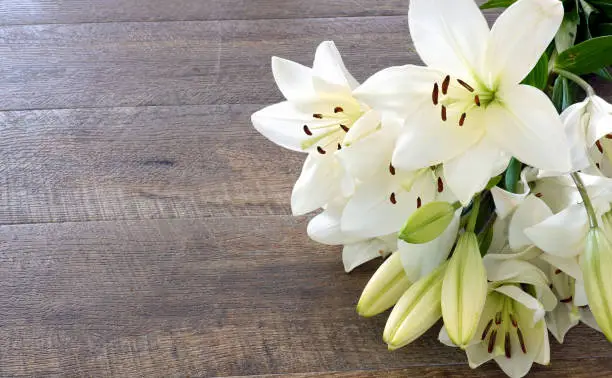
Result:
<point x="493" y="208"/>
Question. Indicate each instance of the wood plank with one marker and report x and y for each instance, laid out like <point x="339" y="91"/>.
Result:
<point x="179" y="63"/>
<point x="81" y="11"/>
<point x="140" y="163"/>
<point x="216" y="297"/>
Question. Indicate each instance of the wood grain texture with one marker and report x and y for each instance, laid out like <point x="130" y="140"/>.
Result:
<point x="81" y="11"/>
<point x="216" y="297"/>
<point x="140" y="163"/>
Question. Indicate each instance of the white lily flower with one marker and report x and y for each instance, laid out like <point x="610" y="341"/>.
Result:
<point x="319" y="115"/>
<point x="357" y="250"/>
<point x="586" y="123"/>
<point x="467" y="109"/>
<point x="512" y="330"/>
<point x="566" y="314"/>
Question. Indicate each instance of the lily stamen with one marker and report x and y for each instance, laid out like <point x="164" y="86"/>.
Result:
<point x="445" y="84"/>
<point x="419" y="202"/>
<point x="486" y="330"/>
<point x="391" y="169"/>
<point x="465" y="85"/>
<point x="321" y="150"/>
<point x="521" y="340"/>
<point x="477" y="100"/>
<point x="338" y="109"/>
<point x="440" y="185"/>
<point x="508" y="345"/>
<point x="392" y="198"/>
<point x="345" y="128"/>
<point x="492" y="341"/>
<point x="462" y="119"/>
<point x="434" y="94"/>
<point x="318" y="116"/>
<point x="443" y="113"/>
<point x="307" y="130"/>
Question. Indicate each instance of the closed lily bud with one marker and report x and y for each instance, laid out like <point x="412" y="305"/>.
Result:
<point x="428" y="222"/>
<point x="416" y="311"/>
<point x="464" y="290"/>
<point x="384" y="288"/>
<point x="596" y="266"/>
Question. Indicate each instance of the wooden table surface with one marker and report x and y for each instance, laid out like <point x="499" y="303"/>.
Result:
<point x="146" y="228"/>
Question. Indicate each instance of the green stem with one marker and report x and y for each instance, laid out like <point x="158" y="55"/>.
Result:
<point x="576" y="79"/>
<point x="588" y="205"/>
<point x="474" y="214"/>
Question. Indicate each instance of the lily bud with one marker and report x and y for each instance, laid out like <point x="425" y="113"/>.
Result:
<point x="596" y="267"/>
<point x="428" y="222"/>
<point x="384" y="288"/>
<point x="416" y="311"/>
<point x="464" y="290"/>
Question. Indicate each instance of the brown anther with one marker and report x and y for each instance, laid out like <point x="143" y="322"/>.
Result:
<point x="339" y="146"/>
<point x="392" y="198"/>
<point x="338" y="109"/>
<point x="391" y="169"/>
<point x="443" y="113"/>
<point x="477" y="100"/>
<point x="599" y="147"/>
<point x="513" y="320"/>
<point x="317" y="115"/>
<point x="434" y="94"/>
<point x="345" y="128"/>
<point x="445" y="84"/>
<point x="558" y="271"/>
<point x="521" y="340"/>
<point x="566" y="300"/>
<point x="486" y="330"/>
<point x="419" y="203"/>
<point x="539" y="195"/>
<point x="492" y="341"/>
<point x="307" y="130"/>
<point x="465" y="85"/>
<point x="508" y="345"/>
<point x="440" y="185"/>
<point x="321" y="150"/>
<point x="498" y="318"/>
<point x="462" y="119"/>
<point x="608" y="136"/>
<point x="597" y="165"/>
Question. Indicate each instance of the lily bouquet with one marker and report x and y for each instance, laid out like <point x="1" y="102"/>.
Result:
<point x="484" y="175"/>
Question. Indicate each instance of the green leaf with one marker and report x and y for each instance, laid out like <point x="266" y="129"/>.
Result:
<point x="566" y="36"/>
<point x="428" y="222"/>
<point x="484" y="240"/>
<point x="604" y="73"/>
<point x="493" y="182"/>
<point x="513" y="173"/>
<point x="497" y="4"/>
<point x="538" y="77"/>
<point x="563" y="94"/>
<point x="586" y="57"/>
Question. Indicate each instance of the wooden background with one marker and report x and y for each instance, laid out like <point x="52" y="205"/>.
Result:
<point x="146" y="229"/>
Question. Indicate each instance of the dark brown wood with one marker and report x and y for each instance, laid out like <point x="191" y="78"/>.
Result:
<point x="140" y="163"/>
<point x="80" y="11"/>
<point x="215" y="297"/>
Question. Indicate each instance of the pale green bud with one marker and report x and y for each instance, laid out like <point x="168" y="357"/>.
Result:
<point x="416" y="311"/>
<point x="384" y="288"/>
<point x="428" y="222"/>
<point x="464" y="290"/>
<point x="596" y="266"/>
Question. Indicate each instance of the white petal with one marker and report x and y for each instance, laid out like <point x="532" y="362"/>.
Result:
<point x="560" y="321"/>
<point x="320" y="182"/>
<point x="568" y="265"/>
<point x="574" y="120"/>
<point x="526" y="124"/>
<point x="444" y="338"/>
<point x="557" y="192"/>
<point x="580" y="297"/>
<point x="505" y="201"/>
<point x="356" y="254"/>
<point x="470" y="172"/>
<point x="586" y="316"/>
<point x="329" y="68"/>
<point x="516" y="271"/>
<point x="449" y="35"/>
<point x="368" y="156"/>
<point x="325" y="227"/>
<point x="532" y="211"/>
<point x="532" y="304"/>
<point x="562" y="234"/>
<point x="513" y="51"/>
<point x="428" y="141"/>
<point x="543" y="356"/>
<point x="293" y="79"/>
<point x="601" y="120"/>
<point x="401" y="90"/>
<point x="283" y="124"/>
<point x="421" y="259"/>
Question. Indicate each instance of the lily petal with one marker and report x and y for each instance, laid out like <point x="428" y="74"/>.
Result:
<point x="325" y="227"/>
<point x="601" y="121"/>
<point x="527" y="125"/>
<point x="320" y="181"/>
<point x="329" y="71"/>
<point x="560" y="320"/>
<point x="470" y="172"/>
<point x="563" y="234"/>
<point x="532" y="304"/>
<point x="293" y="79"/>
<point x="532" y="211"/>
<point x="428" y="141"/>
<point x="401" y="90"/>
<point x="359" y="253"/>
<point x="449" y="35"/>
<point x="512" y="52"/>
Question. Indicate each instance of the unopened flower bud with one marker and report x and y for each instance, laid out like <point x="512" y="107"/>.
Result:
<point x="416" y="311"/>
<point x="384" y="288"/>
<point x="464" y="290"/>
<point x="428" y="222"/>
